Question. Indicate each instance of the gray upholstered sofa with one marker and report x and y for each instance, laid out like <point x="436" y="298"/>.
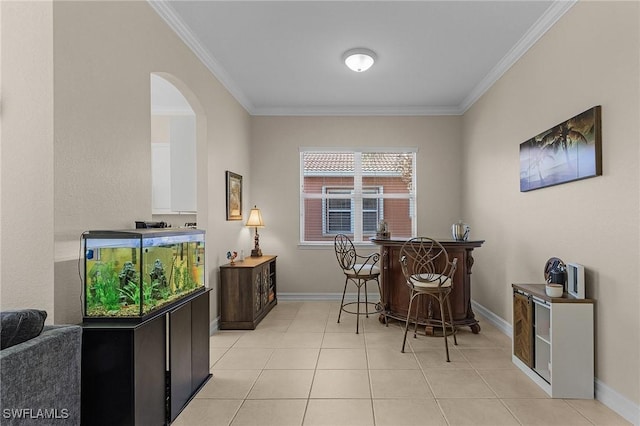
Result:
<point x="40" y="379"/>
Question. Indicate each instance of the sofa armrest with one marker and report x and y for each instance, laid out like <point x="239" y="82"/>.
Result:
<point x="41" y="378"/>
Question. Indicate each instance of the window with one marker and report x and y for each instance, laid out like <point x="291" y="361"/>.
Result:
<point x="338" y="212"/>
<point x="350" y="192"/>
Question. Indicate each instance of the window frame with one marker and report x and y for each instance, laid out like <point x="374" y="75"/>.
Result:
<point x="411" y="195"/>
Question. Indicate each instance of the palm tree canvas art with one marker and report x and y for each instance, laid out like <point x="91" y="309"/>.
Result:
<point x="570" y="151"/>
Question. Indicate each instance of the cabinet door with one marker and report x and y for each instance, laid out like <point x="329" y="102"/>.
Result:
<point x="523" y="328"/>
<point x="266" y="283"/>
<point x="257" y="290"/>
<point x="199" y="341"/>
<point x="272" y="281"/>
<point x="180" y="358"/>
<point x="149" y="378"/>
<point x="123" y="375"/>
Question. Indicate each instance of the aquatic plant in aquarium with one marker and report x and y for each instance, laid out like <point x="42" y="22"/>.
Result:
<point x="105" y="290"/>
<point x="131" y="274"/>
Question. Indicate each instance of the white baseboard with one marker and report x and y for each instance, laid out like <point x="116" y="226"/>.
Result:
<point x="213" y="326"/>
<point x="309" y="297"/>
<point x="617" y="402"/>
<point x="494" y="319"/>
<point x="603" y="393"/>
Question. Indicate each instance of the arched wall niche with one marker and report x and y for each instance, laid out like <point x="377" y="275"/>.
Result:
<point x="173" y="101"/>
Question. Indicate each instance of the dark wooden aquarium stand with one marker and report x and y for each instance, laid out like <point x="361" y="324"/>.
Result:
<point x="145" y="373"/>
<point x="247" y="292"/>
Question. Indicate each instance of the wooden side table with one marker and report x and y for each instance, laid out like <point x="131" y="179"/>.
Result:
<point x="247" y="292"/>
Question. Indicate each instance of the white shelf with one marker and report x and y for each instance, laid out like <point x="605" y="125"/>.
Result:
<point x="543" y="359"/>
<point x="545" y="338"/>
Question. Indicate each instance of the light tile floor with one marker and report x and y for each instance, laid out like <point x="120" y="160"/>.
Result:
<point x="300" y="367"/>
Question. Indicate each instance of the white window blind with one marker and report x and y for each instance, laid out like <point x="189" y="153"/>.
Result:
<point x="351" y="191"/>
<point x="338" y="213"/>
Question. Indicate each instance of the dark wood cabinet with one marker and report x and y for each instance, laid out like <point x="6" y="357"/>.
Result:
<point x="395" y="292"/>
<point x="128" y="378"/>
<point x="123" y="373"/>
<point x="247" y="292"/>
<point x="188" y="353"/>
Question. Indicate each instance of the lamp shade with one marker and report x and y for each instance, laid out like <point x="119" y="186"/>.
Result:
<point x="255" y="218"/>
<point x="359" y="60"/>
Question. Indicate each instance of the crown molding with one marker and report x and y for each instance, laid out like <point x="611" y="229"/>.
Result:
<point x="166" y="12"/>
<point x="356" y="111"/>
<point x="539" y="28"/>
<point x="557" y="9"/>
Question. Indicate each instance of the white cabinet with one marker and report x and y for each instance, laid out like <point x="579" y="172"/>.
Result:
<point x="561" y="332"/>
<point x="183" y="164"/>
<point x="173" y="167"/>
<point x="160" y="177"/>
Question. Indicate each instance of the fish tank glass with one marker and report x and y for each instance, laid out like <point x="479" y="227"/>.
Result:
<point x="133" y="274"/>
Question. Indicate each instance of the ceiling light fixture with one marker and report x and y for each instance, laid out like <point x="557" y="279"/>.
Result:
<point x="359" y="59"/>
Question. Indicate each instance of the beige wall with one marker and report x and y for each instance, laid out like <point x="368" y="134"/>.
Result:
<point x="98" y="168"/>
<point x="590" y="57"/>
<point x="94" y="156"/>
<point x="275" y="165"/>
<point x="26" y="241"/>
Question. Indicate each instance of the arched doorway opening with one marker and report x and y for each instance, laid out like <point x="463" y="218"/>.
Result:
<point x="177" y="144"/>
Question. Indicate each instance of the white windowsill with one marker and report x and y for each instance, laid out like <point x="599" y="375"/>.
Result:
<point x="329" y="245"/>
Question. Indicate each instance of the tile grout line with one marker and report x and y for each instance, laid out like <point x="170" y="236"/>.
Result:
<point x="244" y="400"/>
<point x="424" y="374"/>
<point x="504" y="404"/>
<point x="306" y="405"/>
<point x="313" y="379"/>
<point x="366" y="357"/>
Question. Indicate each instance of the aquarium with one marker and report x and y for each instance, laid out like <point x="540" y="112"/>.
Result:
<point x="131" y="274"/>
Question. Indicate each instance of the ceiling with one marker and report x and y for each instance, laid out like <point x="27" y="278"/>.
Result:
<point x="285" y="57"/>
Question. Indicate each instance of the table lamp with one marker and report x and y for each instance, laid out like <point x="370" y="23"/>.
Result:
<point x="255" y="220"/>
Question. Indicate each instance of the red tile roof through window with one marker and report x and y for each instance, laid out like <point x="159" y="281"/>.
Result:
<point x="343" y="161"/>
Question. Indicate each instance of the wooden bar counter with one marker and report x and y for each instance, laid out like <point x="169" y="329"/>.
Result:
<point x="395" y="292"/>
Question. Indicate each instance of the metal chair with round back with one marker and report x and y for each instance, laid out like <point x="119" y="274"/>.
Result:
<point x="358" y="269"/>
<point x="428" y="272"/>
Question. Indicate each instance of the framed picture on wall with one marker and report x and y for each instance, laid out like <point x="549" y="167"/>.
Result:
<point x="234" y="196"/>
<point x="570" y="151"/>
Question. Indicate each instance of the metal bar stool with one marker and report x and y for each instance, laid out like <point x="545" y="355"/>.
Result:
<point x="428" y="272"/>
<point x="359" y="270"/>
